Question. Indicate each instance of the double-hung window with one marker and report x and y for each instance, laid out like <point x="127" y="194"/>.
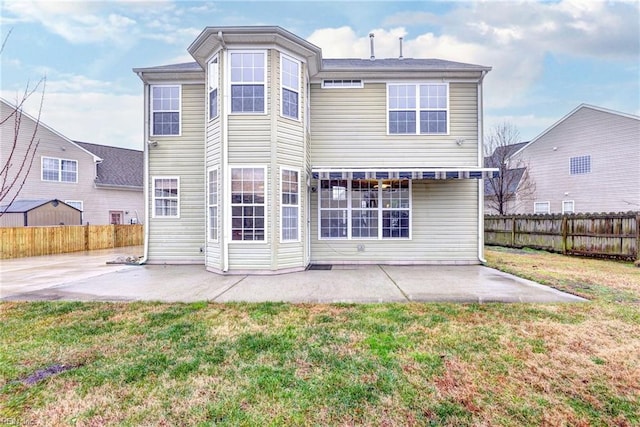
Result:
<point x="213" y="88"/>
<point x="365" y="209"/>
<point x="541" y="207"/>
<point x="248" y="203"/>
<point x="59" y="170"/>
<point x="418" y="108"/>
<point x="165" y="110"/>
<point x="290" y="81"/>
<point x="213" y="204"/>
<point x="248" y="77"/>
<point x="290" y="205"/>
<point x="166" y="197"/>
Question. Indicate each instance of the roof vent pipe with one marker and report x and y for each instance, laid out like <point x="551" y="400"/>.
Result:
<point x="400" y="57"/>
<point x="373" y="56"/>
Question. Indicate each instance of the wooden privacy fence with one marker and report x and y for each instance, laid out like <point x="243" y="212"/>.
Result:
<point x="604" y="235"/>
<point x="17" y="242"/>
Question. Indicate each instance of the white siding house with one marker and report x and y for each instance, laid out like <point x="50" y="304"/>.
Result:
<point x="263" y="157"/>
<point x="589" y="161"/>
<point x="103" y="182"/>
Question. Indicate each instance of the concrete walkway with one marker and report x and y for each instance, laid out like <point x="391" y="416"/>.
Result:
<point x="86" y="276"/>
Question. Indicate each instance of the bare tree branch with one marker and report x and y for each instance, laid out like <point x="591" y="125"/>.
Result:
<point x="514" y="185"/>
<point x="20" y="156"/>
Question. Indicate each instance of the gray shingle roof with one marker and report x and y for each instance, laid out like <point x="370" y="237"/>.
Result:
<point x="120" y="167"/>
<point x="185" y="66"/>
<point x="395" y="64"/>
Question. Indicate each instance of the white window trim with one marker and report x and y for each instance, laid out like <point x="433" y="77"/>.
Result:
<point x="153" y="197"/>
<point x="380" y="209"/>
<point x="417" y="108"/>
<point x="80" y="202"/>
<point x="298" y="205"/>
<point x="210" y="205"/>
<point x="151" y="110"/>
<point x="60" y="160"/>
<point x="266" y="205"/>
<point x="265" y="54"/>
<point x="573" y="206"/>
<point x="344" y="84"/>
<point x="542" y="203"/>
<point x="296" y="89"/>
<point x="213" y="84"/>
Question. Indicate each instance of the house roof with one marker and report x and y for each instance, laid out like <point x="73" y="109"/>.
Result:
<point x="511" y="176"/>
<point x="26" y="205"/>
<point x="397" y="64"/>
<point x="50" y="129"/>
<point x="571" y="113"/>
<point x="211" y="39"/>
<point x="120" y="167"/>
<point x="503" y="152"/>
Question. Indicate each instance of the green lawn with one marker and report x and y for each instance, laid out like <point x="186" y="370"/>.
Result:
<point x="67" y="363"/>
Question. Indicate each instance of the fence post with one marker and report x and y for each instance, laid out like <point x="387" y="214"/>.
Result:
<point x="564" y="234"/>
<point x="638" y="237"/>
<point x="86" y="238"/>
<point x="513" y="231"/>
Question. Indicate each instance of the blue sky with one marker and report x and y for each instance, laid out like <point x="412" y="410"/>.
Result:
<point x="547" y="57"/>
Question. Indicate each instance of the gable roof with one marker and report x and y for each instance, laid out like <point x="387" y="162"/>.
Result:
<point x="50" y="129"/>
<point x="120" y="167"/>
<point x="26" y="205"/>
<point x="503" y="152"/>
<point x="511" y="176"/>
<point x="571" y="113"/>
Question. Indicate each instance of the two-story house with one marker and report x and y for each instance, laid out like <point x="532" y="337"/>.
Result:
<point x="588" y="161"/>
<point x="262" y="156"/>
<point x="105" y="183"/>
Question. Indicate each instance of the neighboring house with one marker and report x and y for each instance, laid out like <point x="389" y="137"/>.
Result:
<point x="105" y="183"/>
<point x="501" y="191"/>
<point x="589" y="161"/>
<point x="264" y="157"/>
<point x="24" y="213"/>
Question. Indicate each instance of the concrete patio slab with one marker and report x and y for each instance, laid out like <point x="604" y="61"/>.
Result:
<point x="86" y="276"/>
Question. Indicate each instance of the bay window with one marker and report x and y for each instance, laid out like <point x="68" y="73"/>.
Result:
<point x="290" y="82"/>
<point x="290" y="205"/>
<point x="248" y="77"/>
<point x="248" y="203"/>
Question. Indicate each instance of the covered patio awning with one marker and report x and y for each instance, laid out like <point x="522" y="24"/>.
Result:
<point x="403" y="173"/>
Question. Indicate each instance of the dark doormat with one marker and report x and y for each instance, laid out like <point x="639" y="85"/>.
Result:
<point x="319" y="267"/>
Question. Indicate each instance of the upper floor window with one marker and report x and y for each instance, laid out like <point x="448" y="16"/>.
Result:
<point x="59" y="170"/>
<point x="248" y="77"/>
<point x="165" y="110"/>
<point x="290" y="81"/>
<point x="213" y="88"/>
<point x="579" y="165"/>
<point x="166" y="197"/>
<point x="418" y="108"/>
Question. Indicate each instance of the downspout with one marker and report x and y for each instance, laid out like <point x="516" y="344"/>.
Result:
<point x="480" y="164"/>
<point x="225" y="173"/>
<point x="145" y="152"/>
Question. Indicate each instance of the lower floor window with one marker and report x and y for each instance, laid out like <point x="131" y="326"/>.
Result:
<point x="365" y="209"/>
<point x="165" y="197"/>
<point x="247" y="203"/>
<point x="541" y="208"/>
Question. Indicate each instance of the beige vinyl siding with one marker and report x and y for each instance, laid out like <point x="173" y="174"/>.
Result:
<point x="96" y="201"/>
<point x="213" y="160"/>
<point x="179" y="240"/>
<point x="349" y="129"/>
<point x="612" y="141"/>
<point x="444" y="230"/>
